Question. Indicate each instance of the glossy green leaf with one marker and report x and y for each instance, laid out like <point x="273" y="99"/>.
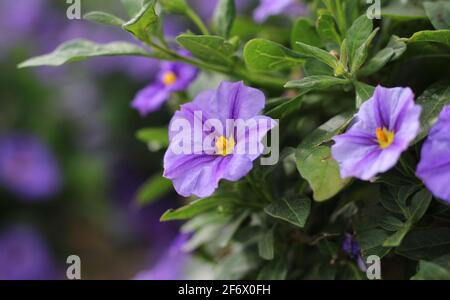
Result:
<point x="144" y="22"/>
<point x="209" y="48"/>
<point x="431" y="36"/>
<point x="293" y="210"/>
<point x="77" y="50"/>
<point x="265" y="55"/>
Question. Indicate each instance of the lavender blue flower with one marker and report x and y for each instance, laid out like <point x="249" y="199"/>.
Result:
<point x="24" y="256"/>
<point x="172" y="77"/>
<point x="269" y="8"/>
<point x="434" y="166"/>
<point x="216" y="153"/>
<point x="352" y="249"/>
<point x="27" y="167"/>
<point x="385" y="125"/>
<point x="171" y="266"/>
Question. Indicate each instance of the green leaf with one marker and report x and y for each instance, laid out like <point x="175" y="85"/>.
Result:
<point x="314" y="160"/>
<point x="426" y="243"/>
<point x="431" y="271"/>
<point x="144" y="22"/>
<point x="104" y="18"/>
<point x="197" y="207"/>
<point x="265" y="55"/>
<point x="224" y="16"/>
<point x="371" y="242"/>
<point x="396" y="239"/>
<point x="132" y="6"/>
<point x="174" y="6"/>
<point x="318" y="54"/>
<point x="431" y="36"/>
<point x="209" y="48"/>
<point x="266" y="245"/>
<point x="432" y="101"/>
<point x="361" y="53"/>
<point x="314" y="67"/>
<point x="153" y="189"/>
<point x="276" y="269"/>
<point x="326" y="28"/>
<point x="156" y="138"/>
<point x="317" y="82"/>
<point x="286" y="107"/>
<point x="304" y="31"/>
<point x="357" y="35"/>
<point x="438" y="13"/>
<point x="230" y="229"/>
<point x="419" y="205"/>
<point x="363" y="92"/>
<point x="293" y="210"/>
<point x="77" y="50"/>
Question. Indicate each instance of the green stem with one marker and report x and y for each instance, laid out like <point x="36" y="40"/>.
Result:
<point x="197" y="21"/>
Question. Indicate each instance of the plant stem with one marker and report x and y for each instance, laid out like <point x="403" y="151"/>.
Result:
<point x="197" y="21"/>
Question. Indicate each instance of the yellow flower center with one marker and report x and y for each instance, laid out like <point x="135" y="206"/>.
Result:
<point x="169" y="78"/>
<point x="225" y="146"/>
<point x="384" y="137"/>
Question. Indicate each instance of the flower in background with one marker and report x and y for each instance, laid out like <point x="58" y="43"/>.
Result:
<point x="24" y="256"/>
<point x="269" y="8"/>
<point x="199" y="172"/>
<point x="434" y="166"/>
<point x="385" y="125"/>
<point x="352" y="249"/>
<point x="171" y="266"/>
<point x="172" y="77"/>
<point x="27" y="167"/>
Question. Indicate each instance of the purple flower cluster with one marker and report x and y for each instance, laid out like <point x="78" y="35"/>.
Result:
<point x="172" y="77"/>
<point x="269" y="8"/>
<point x="352" y="249"/>
<point x="27" y="167"/>
<point x="385" y="126"/>
<point x="199" y="173"/>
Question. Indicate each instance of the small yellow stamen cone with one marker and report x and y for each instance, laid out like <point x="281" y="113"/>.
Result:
<point x="169" y="78"/>
<point x="225" y="146"/>
<point x="384" y="137"/>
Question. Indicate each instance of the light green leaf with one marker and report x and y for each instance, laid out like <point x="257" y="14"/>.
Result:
<point x="396" y="239"/>
<point x="431" y="271"/>
<point x="357" y="35"/>
<point x="318" y="54"/>
<point x="363" y="92"/>
<point x="77" y="50"/>
<point x="216" y="202"/>
<point x="104" y="18"/>
<point x="144" y="22"/>
<point x="209" y="48"/>
<point x="361" y="53"/>
<point x="224" y="16"/>
<point x="265" y="55"/>
<point x="132" y="6"/>
<point x="156" y="138"/>
<point x="293" y="210"/>
<point x="230" y="229"/>
<point x="174" y="6"/>
<point x="304" y="31"/>
<point x="431" y="36"/>
<point x="438" y="13"/>
<point x="317" y="82"/>
<point x="152" y="190"/>
<point x="266" y="245"/>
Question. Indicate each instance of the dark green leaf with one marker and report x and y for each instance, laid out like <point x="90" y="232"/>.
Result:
<point x="318" y="54"/>
<point x="77" y="50"/>
<point x="275" y="270"/>
<point x="224" y="17"/>
<point x="431" y="36"/>
<point x="266" y="245"/>
<point x="426" y="243"/>
<point x="265" y="55"/>
<point x="326" y="28"/>
<point x="230" y="229"/>
<point x="292" y="210"/>
<point x="357" y="35"/>
<point x="209" y="48"/>
<point x="361" y="53"/>
<point x="304" y="31"/>
<point x="431" y="271"/>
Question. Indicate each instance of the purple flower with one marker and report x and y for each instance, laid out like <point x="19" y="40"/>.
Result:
<point x="27" y="167"/>
<point x="171" y="266"/>
<point x="221" y="150"/>
<point x="269" y="8"/>
<point x="172" y="77"/>
<point x="352" y="249"/>
<point x="434" y="166"/>
<point x="24" y="256"/>
<point x="385" y="125"/>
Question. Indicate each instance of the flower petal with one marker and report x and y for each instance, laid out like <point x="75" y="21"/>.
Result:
<point x="150" y="98"/>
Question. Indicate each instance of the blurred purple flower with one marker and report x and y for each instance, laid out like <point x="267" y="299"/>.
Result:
<point x="171" y="266"/>
<point x="352" y="249"/>
<point x="24" y="256"/>
<point x="385" y="125"/>
<point x="206" y="8"/>
<point x="27" y="167"/>
<point x="434" y="166"/>
<point x="172" y="77"/>
<point x="269" y="8"/>
<point x="199" y="172"/>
